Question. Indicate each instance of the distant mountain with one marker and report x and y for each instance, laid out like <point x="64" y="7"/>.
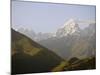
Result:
<point x="86" y="45"/>
<point x="35" y="36"/>
<point x="42" y="36"/>
<point x="69" y="28"/>
<point x="73" y="42"/>
<point x="28" y="32"/>
<point x="68" y="41"/>
<point x="64" y="38"/>
<point x="30" y="57"/>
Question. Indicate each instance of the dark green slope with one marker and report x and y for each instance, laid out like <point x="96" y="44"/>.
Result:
<point x="30" y="57"/>
<point x="83" y="64"/>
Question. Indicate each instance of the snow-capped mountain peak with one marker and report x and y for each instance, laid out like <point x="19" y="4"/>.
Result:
<point x="69" y="27"/>
<point x="70" y="21"/>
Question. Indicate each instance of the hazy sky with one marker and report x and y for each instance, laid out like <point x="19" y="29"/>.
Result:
<point x="47" y="17"/>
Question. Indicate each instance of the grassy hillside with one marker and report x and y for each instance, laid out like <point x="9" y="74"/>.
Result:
<point x="30" y="57"/>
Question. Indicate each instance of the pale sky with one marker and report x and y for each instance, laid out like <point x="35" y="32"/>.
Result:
<point x="47" y="17"/>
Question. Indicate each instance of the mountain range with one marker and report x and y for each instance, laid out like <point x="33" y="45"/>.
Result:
<point x="68" y="41"/>
<point x="72" y="52"/>
<point x="69" y="27"/>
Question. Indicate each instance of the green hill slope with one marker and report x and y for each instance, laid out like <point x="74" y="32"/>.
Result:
<point x="30" y="57"/>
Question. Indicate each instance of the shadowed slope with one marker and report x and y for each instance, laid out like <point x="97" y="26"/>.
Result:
<point x="30" y="57"/>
